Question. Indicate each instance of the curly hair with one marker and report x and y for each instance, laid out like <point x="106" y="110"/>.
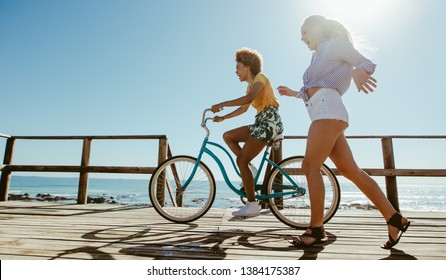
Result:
<point x="250" y="58"/>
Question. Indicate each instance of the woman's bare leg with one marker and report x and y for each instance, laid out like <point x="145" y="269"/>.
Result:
<point x="245" y="154"/>
<point x="342" y="157"/>
<point x="322" y="137"/>
<point x="250" y="150"/>
<point x="235" y="136"/>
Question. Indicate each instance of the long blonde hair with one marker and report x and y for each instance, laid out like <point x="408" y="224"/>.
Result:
<point x="329" y="28"/>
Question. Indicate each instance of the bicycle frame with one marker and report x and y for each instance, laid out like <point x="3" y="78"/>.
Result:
<point x="205" y="150"/>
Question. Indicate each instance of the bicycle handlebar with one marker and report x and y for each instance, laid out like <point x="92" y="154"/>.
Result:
<point x="204" y="121"/>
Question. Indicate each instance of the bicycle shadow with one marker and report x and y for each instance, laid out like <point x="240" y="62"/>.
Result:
<point x="186" y="247"/>
<point x="198" y="247"/>
<point x="309" y="253"/>
<point x="112" y="236"/>
<point x="220" y="241"/>
<point x="185" y="243"/>
<point x="148" y="242"/>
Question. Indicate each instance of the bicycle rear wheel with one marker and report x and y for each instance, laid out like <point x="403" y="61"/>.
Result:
<point x="295" y="209"/>
<point x="166" y="189"/>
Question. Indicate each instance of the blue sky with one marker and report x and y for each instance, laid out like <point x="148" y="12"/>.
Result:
<point x="108" y="67"/>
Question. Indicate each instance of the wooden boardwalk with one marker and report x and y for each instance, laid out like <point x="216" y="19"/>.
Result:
<point x="47" y="231"/>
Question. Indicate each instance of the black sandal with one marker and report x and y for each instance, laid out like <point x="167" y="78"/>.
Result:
<point x="395" y="221"/>
<point x="318" y="233"/>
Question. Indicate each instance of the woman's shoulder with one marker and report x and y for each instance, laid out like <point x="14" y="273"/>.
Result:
<point x="261" y="77"/>
<point x="338" y="46"/>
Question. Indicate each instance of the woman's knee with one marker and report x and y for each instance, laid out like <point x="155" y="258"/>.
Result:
<point x="309" y="167"/>
<point x="242" y="160"/>
<point x="228" y="136"/>
<point x="352" y="173"/>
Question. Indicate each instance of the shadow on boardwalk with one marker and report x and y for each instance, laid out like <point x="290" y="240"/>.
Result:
<point x="108" y="232"/>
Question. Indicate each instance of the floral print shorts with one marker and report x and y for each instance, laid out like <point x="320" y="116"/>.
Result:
<point x="268" y="124"/>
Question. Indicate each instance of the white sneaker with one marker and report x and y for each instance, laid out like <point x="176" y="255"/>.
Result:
<point x="251" y="209"/>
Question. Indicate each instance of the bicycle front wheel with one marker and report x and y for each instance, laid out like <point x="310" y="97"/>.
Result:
<point x="175" y="201"/>
<point x="294" y="209"/>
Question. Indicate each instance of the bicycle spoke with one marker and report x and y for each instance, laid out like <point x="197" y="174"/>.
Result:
<point x="295" y="210"/>
<point x="176" y="204"/>
<point x="169" y="189"/>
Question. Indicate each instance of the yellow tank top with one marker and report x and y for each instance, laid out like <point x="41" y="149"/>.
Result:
<point x="266" y="97"/>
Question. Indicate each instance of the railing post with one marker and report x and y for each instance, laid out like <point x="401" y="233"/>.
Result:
<point x="162" y="156"/>
<point x="83" y="176"/>
<point x="162" y="150"/>
<point x="275" y="156"/>
<point x="277" y="153"/>
<point x="6" y="173"/>
<point x="389" y="163"/>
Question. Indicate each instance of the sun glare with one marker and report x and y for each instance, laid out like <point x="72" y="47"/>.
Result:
<point x="353" y="12"/>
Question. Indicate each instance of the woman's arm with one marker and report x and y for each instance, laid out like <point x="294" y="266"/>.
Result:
<point x="285" y="91"/>
<point x="237" y="112"/>
<point x="348" y="53"/>
<point x="244" y="100"/>
<point x="363" y="80"/>
<point x="363" y="67"/>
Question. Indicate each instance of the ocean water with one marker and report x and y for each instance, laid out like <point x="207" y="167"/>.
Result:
<point x="412" y="197"/>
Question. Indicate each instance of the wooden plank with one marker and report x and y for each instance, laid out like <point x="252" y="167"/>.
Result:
<point x="421" y="172"/>
<point x="294" y="137"/>
<point x="405" y="172"/>
<point x="150" y="170"/>
<point x="389" y="163"/>
<point x="5" y="179"/>
<point x="72" y="168"/>
<point x="68" y="231"/>
<point x="82" y="194"/>
<point x="102" y="137"/>
<point x="401" y="172"/>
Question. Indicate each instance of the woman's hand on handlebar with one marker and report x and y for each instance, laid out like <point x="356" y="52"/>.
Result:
<point x="216" y="108"/>
<point x="218" y="119"/>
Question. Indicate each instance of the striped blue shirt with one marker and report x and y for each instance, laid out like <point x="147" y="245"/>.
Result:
<point x="332" y="65"/>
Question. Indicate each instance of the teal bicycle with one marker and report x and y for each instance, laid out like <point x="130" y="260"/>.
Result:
<point x="182" y="188"/>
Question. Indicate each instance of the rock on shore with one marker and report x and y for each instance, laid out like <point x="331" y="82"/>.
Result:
<point x="358" y="206"/>
<point x="50" y="197"/>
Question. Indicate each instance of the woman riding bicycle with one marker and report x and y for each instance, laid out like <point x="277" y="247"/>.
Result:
<point x="267" y="123"/>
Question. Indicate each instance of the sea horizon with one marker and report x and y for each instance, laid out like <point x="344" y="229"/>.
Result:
<point x="430" y="197"/>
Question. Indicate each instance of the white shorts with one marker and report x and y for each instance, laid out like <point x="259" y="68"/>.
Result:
<point x="327" y="103"/>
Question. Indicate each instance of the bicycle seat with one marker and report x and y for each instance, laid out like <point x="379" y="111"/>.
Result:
<point x="275" y="141"/>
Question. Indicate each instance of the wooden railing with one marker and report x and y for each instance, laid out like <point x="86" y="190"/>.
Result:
<point x="389" y="170"/>
<point x="83" y="169"/>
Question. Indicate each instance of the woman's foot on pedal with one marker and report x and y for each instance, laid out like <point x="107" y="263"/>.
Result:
<point x="251" y="209"/>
